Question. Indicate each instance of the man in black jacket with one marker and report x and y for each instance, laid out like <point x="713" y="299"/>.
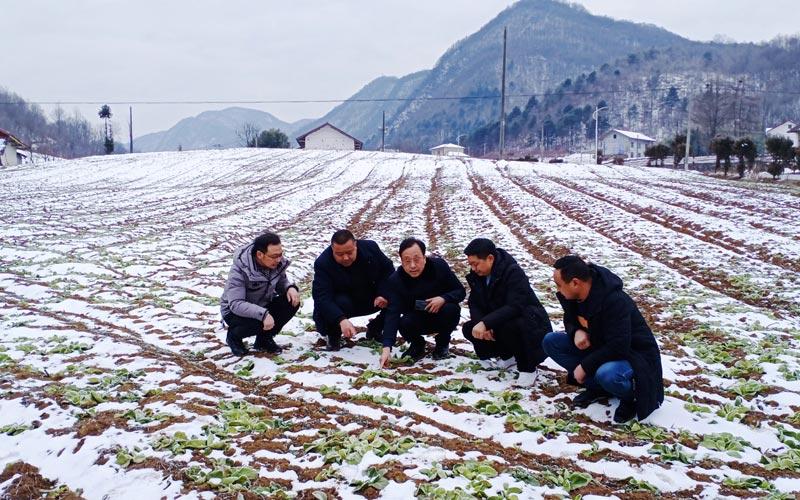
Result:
<point x="424" y="294"/>
<point x="607" y="346"/>
<point x="348" y="280"/>
<point x="507" y="321"/>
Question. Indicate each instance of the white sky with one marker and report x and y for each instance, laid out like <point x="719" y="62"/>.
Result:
<point x="110" y="50"/>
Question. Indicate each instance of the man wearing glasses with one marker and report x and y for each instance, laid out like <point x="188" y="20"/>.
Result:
<point x="258" y="299"/>
<point x="423" y="296"/>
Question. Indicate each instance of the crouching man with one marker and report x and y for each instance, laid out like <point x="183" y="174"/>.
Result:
<point x="424" y="294"/>
<point x="258" y="299"/>
<point x="507" y="321"/>
<point x="607" y="347"/>
<point x="349" y="277"/>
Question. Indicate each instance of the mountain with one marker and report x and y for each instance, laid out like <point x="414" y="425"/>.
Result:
<point x="548" y="41"/>
<point x="360" y="116"/>
<point x="554" y="49"/>
<point x="736" y="90"/>
<point x="212" y="129"/>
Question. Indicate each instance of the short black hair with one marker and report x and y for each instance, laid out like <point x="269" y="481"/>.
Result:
<point x="264" y="240"/>
<point x="480" y="247"/>
<point x="342" y="236"/>
<point x="410" y="242"/>
<point x="571" y="267"/>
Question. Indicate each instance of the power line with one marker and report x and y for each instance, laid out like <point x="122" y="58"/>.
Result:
<point x="375" y="99"/>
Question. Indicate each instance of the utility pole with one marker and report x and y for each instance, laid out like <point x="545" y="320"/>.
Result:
<point x="383" y="132"/>
<point x="688" y="134"/>
<point x="541" y="144"/>
<point x="503" y="98"/>
<point x="596" y="116"/>
<point x="130" y="127"/>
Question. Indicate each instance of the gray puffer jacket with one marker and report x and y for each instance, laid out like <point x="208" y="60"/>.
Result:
<point x="251" y="287"/>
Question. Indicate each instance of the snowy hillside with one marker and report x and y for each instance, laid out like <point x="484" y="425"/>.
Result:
<point x="116" y="381"/>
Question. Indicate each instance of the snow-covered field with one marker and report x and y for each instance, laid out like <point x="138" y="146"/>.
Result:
<point x="116" y="382"/>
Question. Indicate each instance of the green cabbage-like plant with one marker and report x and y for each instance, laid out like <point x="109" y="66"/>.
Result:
<point x="566" y="479"/>
<point x="671" y="453"/>
<point x="458" y="386"/>
<point x="726" y="442"/>
<point x="547" y="426"/>
<point x="375" y="478"/>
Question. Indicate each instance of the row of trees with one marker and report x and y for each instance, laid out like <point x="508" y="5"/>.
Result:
<point x="251" y="136"/>
<point x="66" y="135"/>
<point x="781" y="150"/>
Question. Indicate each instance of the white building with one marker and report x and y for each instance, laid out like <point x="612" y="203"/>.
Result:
<point x="618" y="142"/>
<point x="787" y="130"/>
<point x="326" y="136"/>
<point x="10" y="146"/>
<point x="448" y="150"/>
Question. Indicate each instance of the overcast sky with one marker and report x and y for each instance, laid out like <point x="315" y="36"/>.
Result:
<point x="110" y="50"/>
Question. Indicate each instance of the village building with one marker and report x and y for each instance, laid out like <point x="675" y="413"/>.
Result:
<point x="11" y="150"/>
<point x="448" y="150"/>
<point x="787" y="130"/>
<point x="328" y="137"/>
<point x="617" y="142"/>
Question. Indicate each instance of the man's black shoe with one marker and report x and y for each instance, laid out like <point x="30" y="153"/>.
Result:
<point x="333" y="343"/>
<point x="416" y="351"/>
<point x="441" y="352"/>
<point x="625" y="411"/>
<point x="267" y="344"/>
<point x="588" y="397"/>
<point x="237" y="346"/>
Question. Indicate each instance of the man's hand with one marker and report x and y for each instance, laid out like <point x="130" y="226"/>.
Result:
<point x="268" y="323"/>
<point x="293" y="296"/>
<point x="380" y="302"/>
<point x="348" y="330"/>
<point x="434" y="304"/>
<point x="579" y="374"/>
<point x="582" y="340"/>
<point x="384" y="361"/>
<point x="479" y="331"/>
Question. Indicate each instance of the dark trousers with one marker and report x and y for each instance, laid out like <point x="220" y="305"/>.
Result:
<point x="614" y="377"/>
<point x="512" y="338"/>
<point x="415" y="324"/>
<point x="280" y="309"/>
<point x="351" y="309"/>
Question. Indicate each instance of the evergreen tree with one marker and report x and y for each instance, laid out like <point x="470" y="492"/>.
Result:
<point x="722" y="147"/>
<point x="108" y="137"/>
<point x="671" y="99"/>
<point x="678" y="146"/>
<point x="273" y="138"/>
<point x="745" y="149"/>
<point x="782" y="151"/>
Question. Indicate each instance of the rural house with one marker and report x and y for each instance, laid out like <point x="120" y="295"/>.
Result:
<point x="10" y="149"/>
<point x="326" y="136"/>
<point x="618" y="142"/>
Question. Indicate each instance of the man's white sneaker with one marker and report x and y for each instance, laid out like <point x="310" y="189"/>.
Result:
<point x="487" y="364"/>
<point x="526" y="379"/>
<point x="505" y="364"/>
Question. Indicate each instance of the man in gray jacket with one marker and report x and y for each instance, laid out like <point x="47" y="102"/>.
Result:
<point x="258" y="298"/>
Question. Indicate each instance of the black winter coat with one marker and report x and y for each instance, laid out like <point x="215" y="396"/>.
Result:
<point x="331" y="278"/>
<point x="508" y="296"/>
<point x="617" y="331"/>
<point x="436" y="280"/>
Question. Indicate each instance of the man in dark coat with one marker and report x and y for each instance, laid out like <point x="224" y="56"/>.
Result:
<point x="507" y="321"/>
<point x="349" y="277"/>
<point x="424" y="297"/>
<point x="258" y="298"/>
<point x="607" y="346"/>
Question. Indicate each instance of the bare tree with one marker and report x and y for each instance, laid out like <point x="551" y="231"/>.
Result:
<point x="713" y="109"/>
<point x="247" y="133"/>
